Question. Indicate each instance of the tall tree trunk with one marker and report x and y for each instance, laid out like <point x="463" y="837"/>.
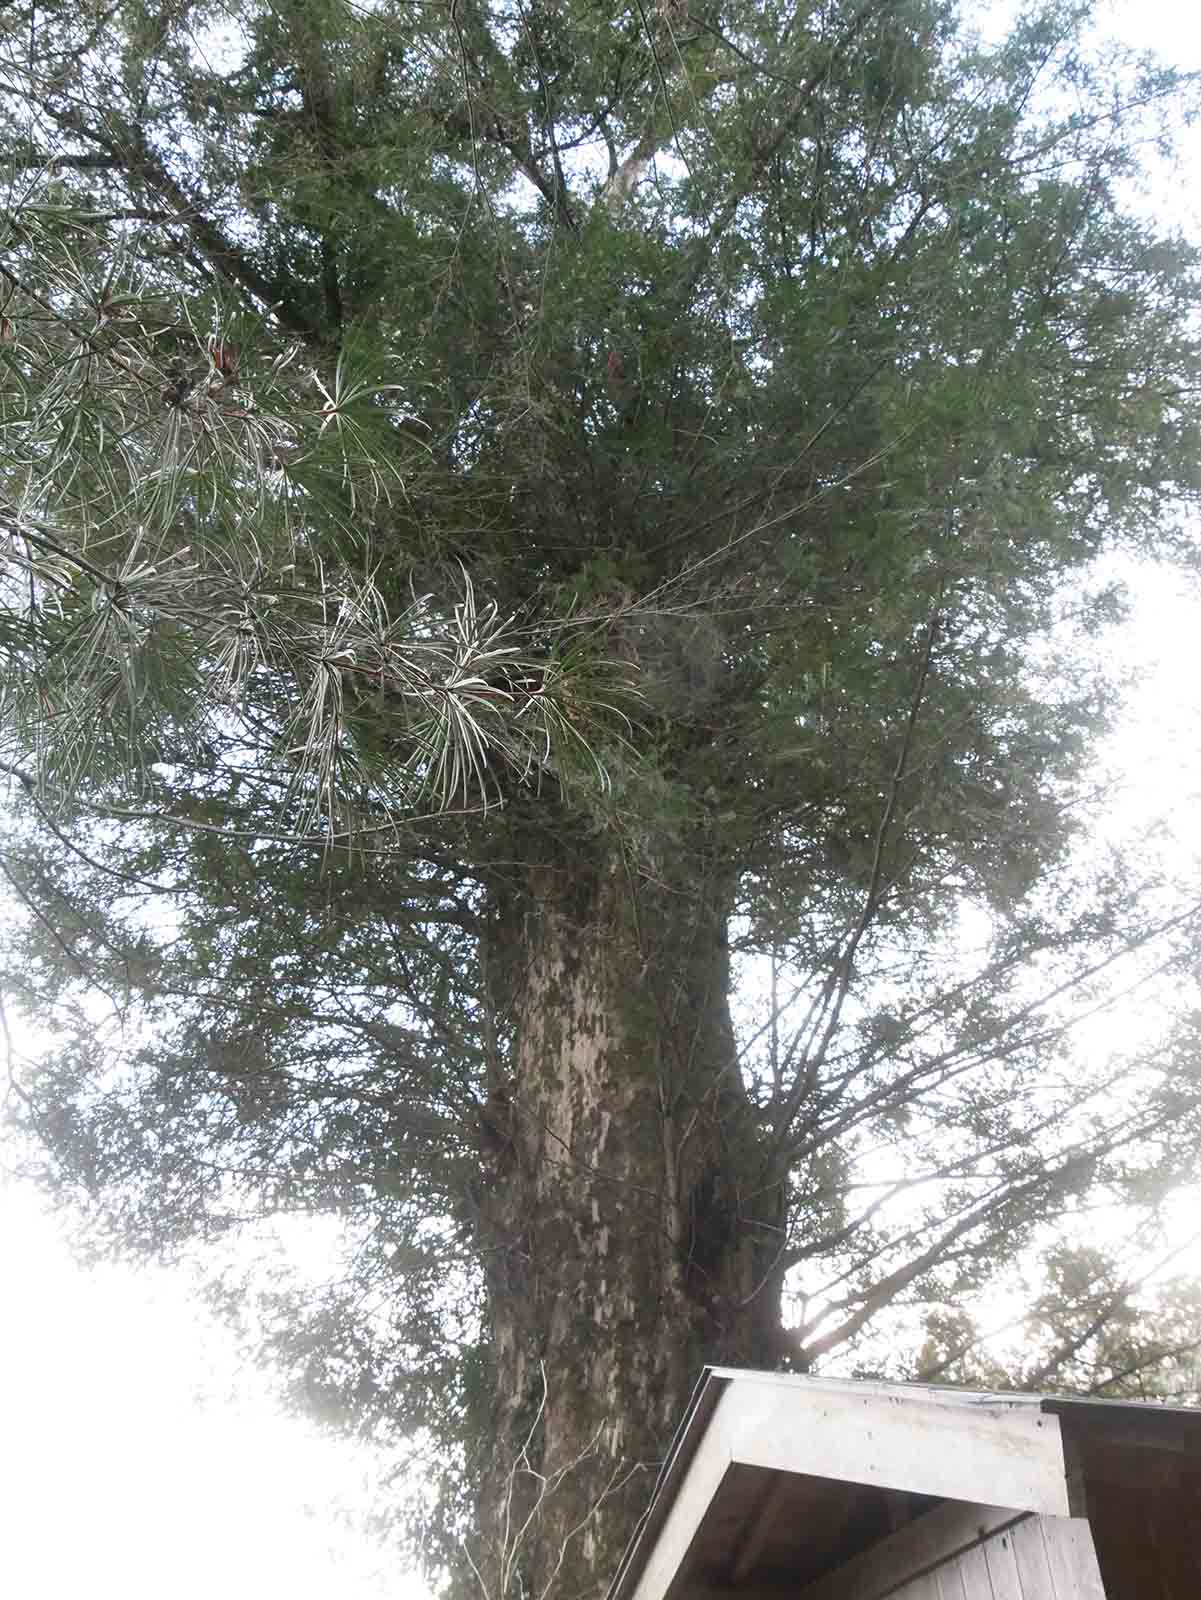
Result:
<point x="631" y="1220"/>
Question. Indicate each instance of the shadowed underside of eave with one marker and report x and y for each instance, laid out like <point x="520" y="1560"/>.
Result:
<point x="789" y="1488"/>
<point x="769" y="1533"/>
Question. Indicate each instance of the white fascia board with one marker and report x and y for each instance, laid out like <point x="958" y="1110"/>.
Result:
<point x="999" y="1450"/>
<point x="710" y="1463"/>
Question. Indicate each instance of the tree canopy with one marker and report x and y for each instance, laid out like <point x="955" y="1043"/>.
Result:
<point x="550" y="598"/>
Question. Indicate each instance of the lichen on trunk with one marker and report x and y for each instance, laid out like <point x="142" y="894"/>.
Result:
<point x="630" y="1212"/>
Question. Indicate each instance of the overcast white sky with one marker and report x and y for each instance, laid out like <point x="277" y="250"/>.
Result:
<point x="137" y="1458"/>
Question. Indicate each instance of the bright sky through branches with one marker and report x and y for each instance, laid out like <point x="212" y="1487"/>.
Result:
<point x="138" y="1459"/>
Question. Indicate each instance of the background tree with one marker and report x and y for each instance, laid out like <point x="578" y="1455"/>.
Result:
<point x="549" y="597"/>
<point x="1093" y="1330"/>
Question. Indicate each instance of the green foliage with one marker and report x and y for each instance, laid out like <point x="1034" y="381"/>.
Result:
<point x="443" y="441"/>
<point x="1092" y="1330"/>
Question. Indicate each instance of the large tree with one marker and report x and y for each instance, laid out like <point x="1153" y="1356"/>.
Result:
<point x="549" y="568"/>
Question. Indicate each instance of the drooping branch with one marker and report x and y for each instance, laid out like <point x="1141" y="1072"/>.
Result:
<point x="228" y="260"/>
<point x="129" y="151"/>
<point x="885" y="1290"/>
<point x="838" y="984"/>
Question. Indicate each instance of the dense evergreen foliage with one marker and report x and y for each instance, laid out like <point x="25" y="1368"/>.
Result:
<point x="551" y="591"/>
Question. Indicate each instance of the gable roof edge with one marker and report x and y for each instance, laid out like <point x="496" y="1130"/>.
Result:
<point x="710" y="1386"/>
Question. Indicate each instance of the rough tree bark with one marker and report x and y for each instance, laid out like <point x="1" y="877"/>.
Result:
<point x="630" y="1211"/>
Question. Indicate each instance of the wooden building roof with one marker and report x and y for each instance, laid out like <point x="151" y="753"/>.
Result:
<point x="782" y="1487"/>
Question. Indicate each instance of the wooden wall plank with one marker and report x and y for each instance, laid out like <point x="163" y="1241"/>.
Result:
<point x="1030" y="1552"/>
<point x="925" y="1588"/>
<point x="949" y="1582"/>
<point x="973" y="1569"/>
<point x="1002" y="1567"/>
<point x="1071" y="1558"/>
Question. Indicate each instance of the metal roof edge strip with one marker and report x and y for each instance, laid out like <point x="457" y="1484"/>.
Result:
<point x="936" y="1393"/>
<point x="1088" y="1406"/>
